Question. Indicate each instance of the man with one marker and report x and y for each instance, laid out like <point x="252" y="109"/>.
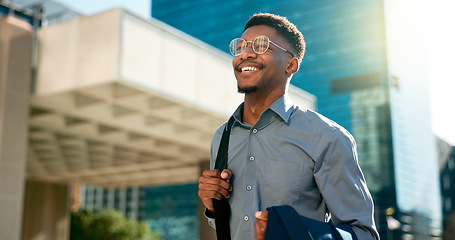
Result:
<point x="280" y="154"/>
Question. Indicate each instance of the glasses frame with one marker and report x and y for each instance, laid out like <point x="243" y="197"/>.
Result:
<point x="235" y="54"/>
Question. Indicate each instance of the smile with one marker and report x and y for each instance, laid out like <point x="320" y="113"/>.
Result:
<point x="249" y="68"/>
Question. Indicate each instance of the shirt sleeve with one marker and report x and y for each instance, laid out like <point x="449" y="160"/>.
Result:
<point x="342" y="185"/>
<point x="210" y="218"/>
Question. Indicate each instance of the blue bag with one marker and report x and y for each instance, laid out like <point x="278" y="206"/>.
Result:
<point x="285" y="223"/>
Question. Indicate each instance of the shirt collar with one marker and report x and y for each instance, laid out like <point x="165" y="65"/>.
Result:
<point x="283" y="107"/>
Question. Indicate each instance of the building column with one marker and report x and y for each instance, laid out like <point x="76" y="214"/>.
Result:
<point x="46" y="211"/>
<point x="206" y="232"/>
<point x="15" y="75"/>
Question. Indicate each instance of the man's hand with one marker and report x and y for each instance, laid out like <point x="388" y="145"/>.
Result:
<point x="260" y="225"/>
<point x="214" y="185"/>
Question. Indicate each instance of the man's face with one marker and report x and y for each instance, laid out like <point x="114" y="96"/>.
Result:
<point x="261" y="72"/>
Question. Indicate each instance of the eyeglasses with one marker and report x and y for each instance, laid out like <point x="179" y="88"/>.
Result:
<point x="260" y="45"/>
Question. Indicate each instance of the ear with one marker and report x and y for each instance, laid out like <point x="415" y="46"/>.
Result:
<point x="293" y="66"/>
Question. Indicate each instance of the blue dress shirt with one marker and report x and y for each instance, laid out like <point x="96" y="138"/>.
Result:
<point x="295" y="157"/>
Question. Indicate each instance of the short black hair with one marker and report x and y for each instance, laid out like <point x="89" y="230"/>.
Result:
<point x="284" y="27"/>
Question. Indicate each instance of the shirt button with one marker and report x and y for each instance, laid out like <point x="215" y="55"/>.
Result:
<point x="248" y="187"/>
<point x="246" y="218"/>
<point x="252" y="158"/>
<point x="255" y="130"/>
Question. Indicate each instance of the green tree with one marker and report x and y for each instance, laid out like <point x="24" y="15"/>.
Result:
<point x="108" y="225"/>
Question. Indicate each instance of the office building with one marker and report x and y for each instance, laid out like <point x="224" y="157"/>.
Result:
<point x="365" y="63"/>
<point x="446" y="157"/>
<point x="171" y="210"/>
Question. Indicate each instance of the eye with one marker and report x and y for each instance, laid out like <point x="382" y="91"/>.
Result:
<point x="261" y="44"/>
<point x="237" y="46"/>
<point x="261" y="48"/>
<point x="239" y="49"/>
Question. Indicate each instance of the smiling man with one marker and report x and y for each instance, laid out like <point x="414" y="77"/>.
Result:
<point x="280" y="154"/>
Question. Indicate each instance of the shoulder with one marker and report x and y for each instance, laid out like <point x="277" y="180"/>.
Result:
<point x="313" y="120"/>
<point x="215" y="144"/>
<point x="217" y="135"/>
<point x="319" y="124"/>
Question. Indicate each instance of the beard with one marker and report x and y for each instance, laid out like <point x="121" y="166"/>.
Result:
<point x="247" y="90"/>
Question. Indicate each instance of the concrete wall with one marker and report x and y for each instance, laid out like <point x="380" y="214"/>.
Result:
<point x="15" y="76"/>
<point x="46" y="211"/>
<point x="115" y="46"/>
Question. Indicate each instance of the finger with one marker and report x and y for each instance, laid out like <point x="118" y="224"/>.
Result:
<point x="226" y="174"/>
<point x="206" y="181"/>
<point x="259" y="229"/>
<point x="209" y="195"/>
<point x="214" y="173"/>
<point x="262" y="215"/>
<point x="213" y="191"/>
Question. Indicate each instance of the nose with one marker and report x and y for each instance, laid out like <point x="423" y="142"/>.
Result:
<point x="248" y="53"/>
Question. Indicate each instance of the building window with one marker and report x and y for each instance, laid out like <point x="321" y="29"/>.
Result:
<point x="451" y="164"/>
<point x="357" y="82"/>
<point x="446" y="182"/>
<point x="448" y="204"/>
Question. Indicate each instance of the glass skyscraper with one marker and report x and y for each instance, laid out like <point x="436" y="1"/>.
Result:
<point x="359" y="83"/>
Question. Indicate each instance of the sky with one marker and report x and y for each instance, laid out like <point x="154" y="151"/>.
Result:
<point x="440" y="47"/>
<point x="440" y="38"/>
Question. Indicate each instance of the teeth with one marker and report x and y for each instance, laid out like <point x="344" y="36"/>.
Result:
<point x="250" y="69"/>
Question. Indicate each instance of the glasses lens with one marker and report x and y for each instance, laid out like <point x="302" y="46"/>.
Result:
<point x="237" y="46"/>
<point x="261" y="44"/>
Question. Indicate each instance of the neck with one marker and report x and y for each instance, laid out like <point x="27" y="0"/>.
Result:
<point x="256" y="103"/>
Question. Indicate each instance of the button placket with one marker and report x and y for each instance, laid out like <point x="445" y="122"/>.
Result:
<point x="249" y="180"/>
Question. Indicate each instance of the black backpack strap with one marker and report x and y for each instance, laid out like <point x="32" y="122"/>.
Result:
<point x="221" y="207"/>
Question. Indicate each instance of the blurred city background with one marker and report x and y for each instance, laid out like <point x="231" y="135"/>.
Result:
<point x="112" y="105"/>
